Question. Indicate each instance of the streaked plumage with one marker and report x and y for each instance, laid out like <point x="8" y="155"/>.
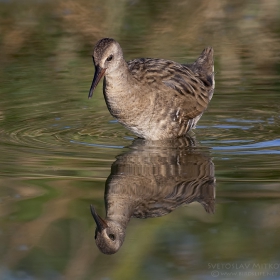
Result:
<point x="152" y="181"/>
<point x="154" y="98"/>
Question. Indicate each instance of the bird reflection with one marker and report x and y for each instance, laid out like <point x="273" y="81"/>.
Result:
<point x="151" y="180"/>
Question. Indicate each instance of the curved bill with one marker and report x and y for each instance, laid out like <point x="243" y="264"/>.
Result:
<point x="100" y="223"/>
<point x="99" y="73"/>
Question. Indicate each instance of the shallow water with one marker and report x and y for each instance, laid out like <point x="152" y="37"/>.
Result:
<point x="57" y="147"/>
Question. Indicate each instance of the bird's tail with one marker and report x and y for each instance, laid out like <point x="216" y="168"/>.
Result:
<point x="204" y="68"/>
<point x="205" y="62"/>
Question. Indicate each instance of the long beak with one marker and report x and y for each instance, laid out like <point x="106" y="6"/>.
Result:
<point x="100" y="223"/>
<point x="99" y="73"/>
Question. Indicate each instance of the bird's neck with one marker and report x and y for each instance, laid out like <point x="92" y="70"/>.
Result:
<point x="116" y="89"/>
<point x="117" y="79"/>
<point x="119" y="210"/>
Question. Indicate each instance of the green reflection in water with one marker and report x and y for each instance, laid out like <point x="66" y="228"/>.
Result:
<point x="57" y="148"/>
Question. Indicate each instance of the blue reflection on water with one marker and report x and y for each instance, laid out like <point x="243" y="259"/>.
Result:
<point x="260" y="145"/>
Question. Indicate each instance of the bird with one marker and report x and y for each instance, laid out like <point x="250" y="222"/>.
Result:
<point x="152" y="180"/>
<point x="154" y="98"/>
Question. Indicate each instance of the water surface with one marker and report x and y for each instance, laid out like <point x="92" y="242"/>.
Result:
<point x="57" y="147"/>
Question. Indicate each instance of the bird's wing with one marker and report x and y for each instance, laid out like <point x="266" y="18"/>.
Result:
<point x="181" y="81"/>
<point x="185" y="192"/>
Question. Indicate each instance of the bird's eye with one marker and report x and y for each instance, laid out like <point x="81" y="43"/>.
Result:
<point x="112" y="237"/>
<point x="109" y="58"/>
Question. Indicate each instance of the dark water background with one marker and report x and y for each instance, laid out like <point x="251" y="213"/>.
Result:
<point x="57" y="147"/>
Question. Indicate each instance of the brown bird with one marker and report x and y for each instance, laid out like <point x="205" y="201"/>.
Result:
<point x="154" y="98"/>
<point x="152" y="180"/>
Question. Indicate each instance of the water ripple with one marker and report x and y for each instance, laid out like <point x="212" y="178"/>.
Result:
<point x="224" y="135"/>
<point x="57" y="133"/>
